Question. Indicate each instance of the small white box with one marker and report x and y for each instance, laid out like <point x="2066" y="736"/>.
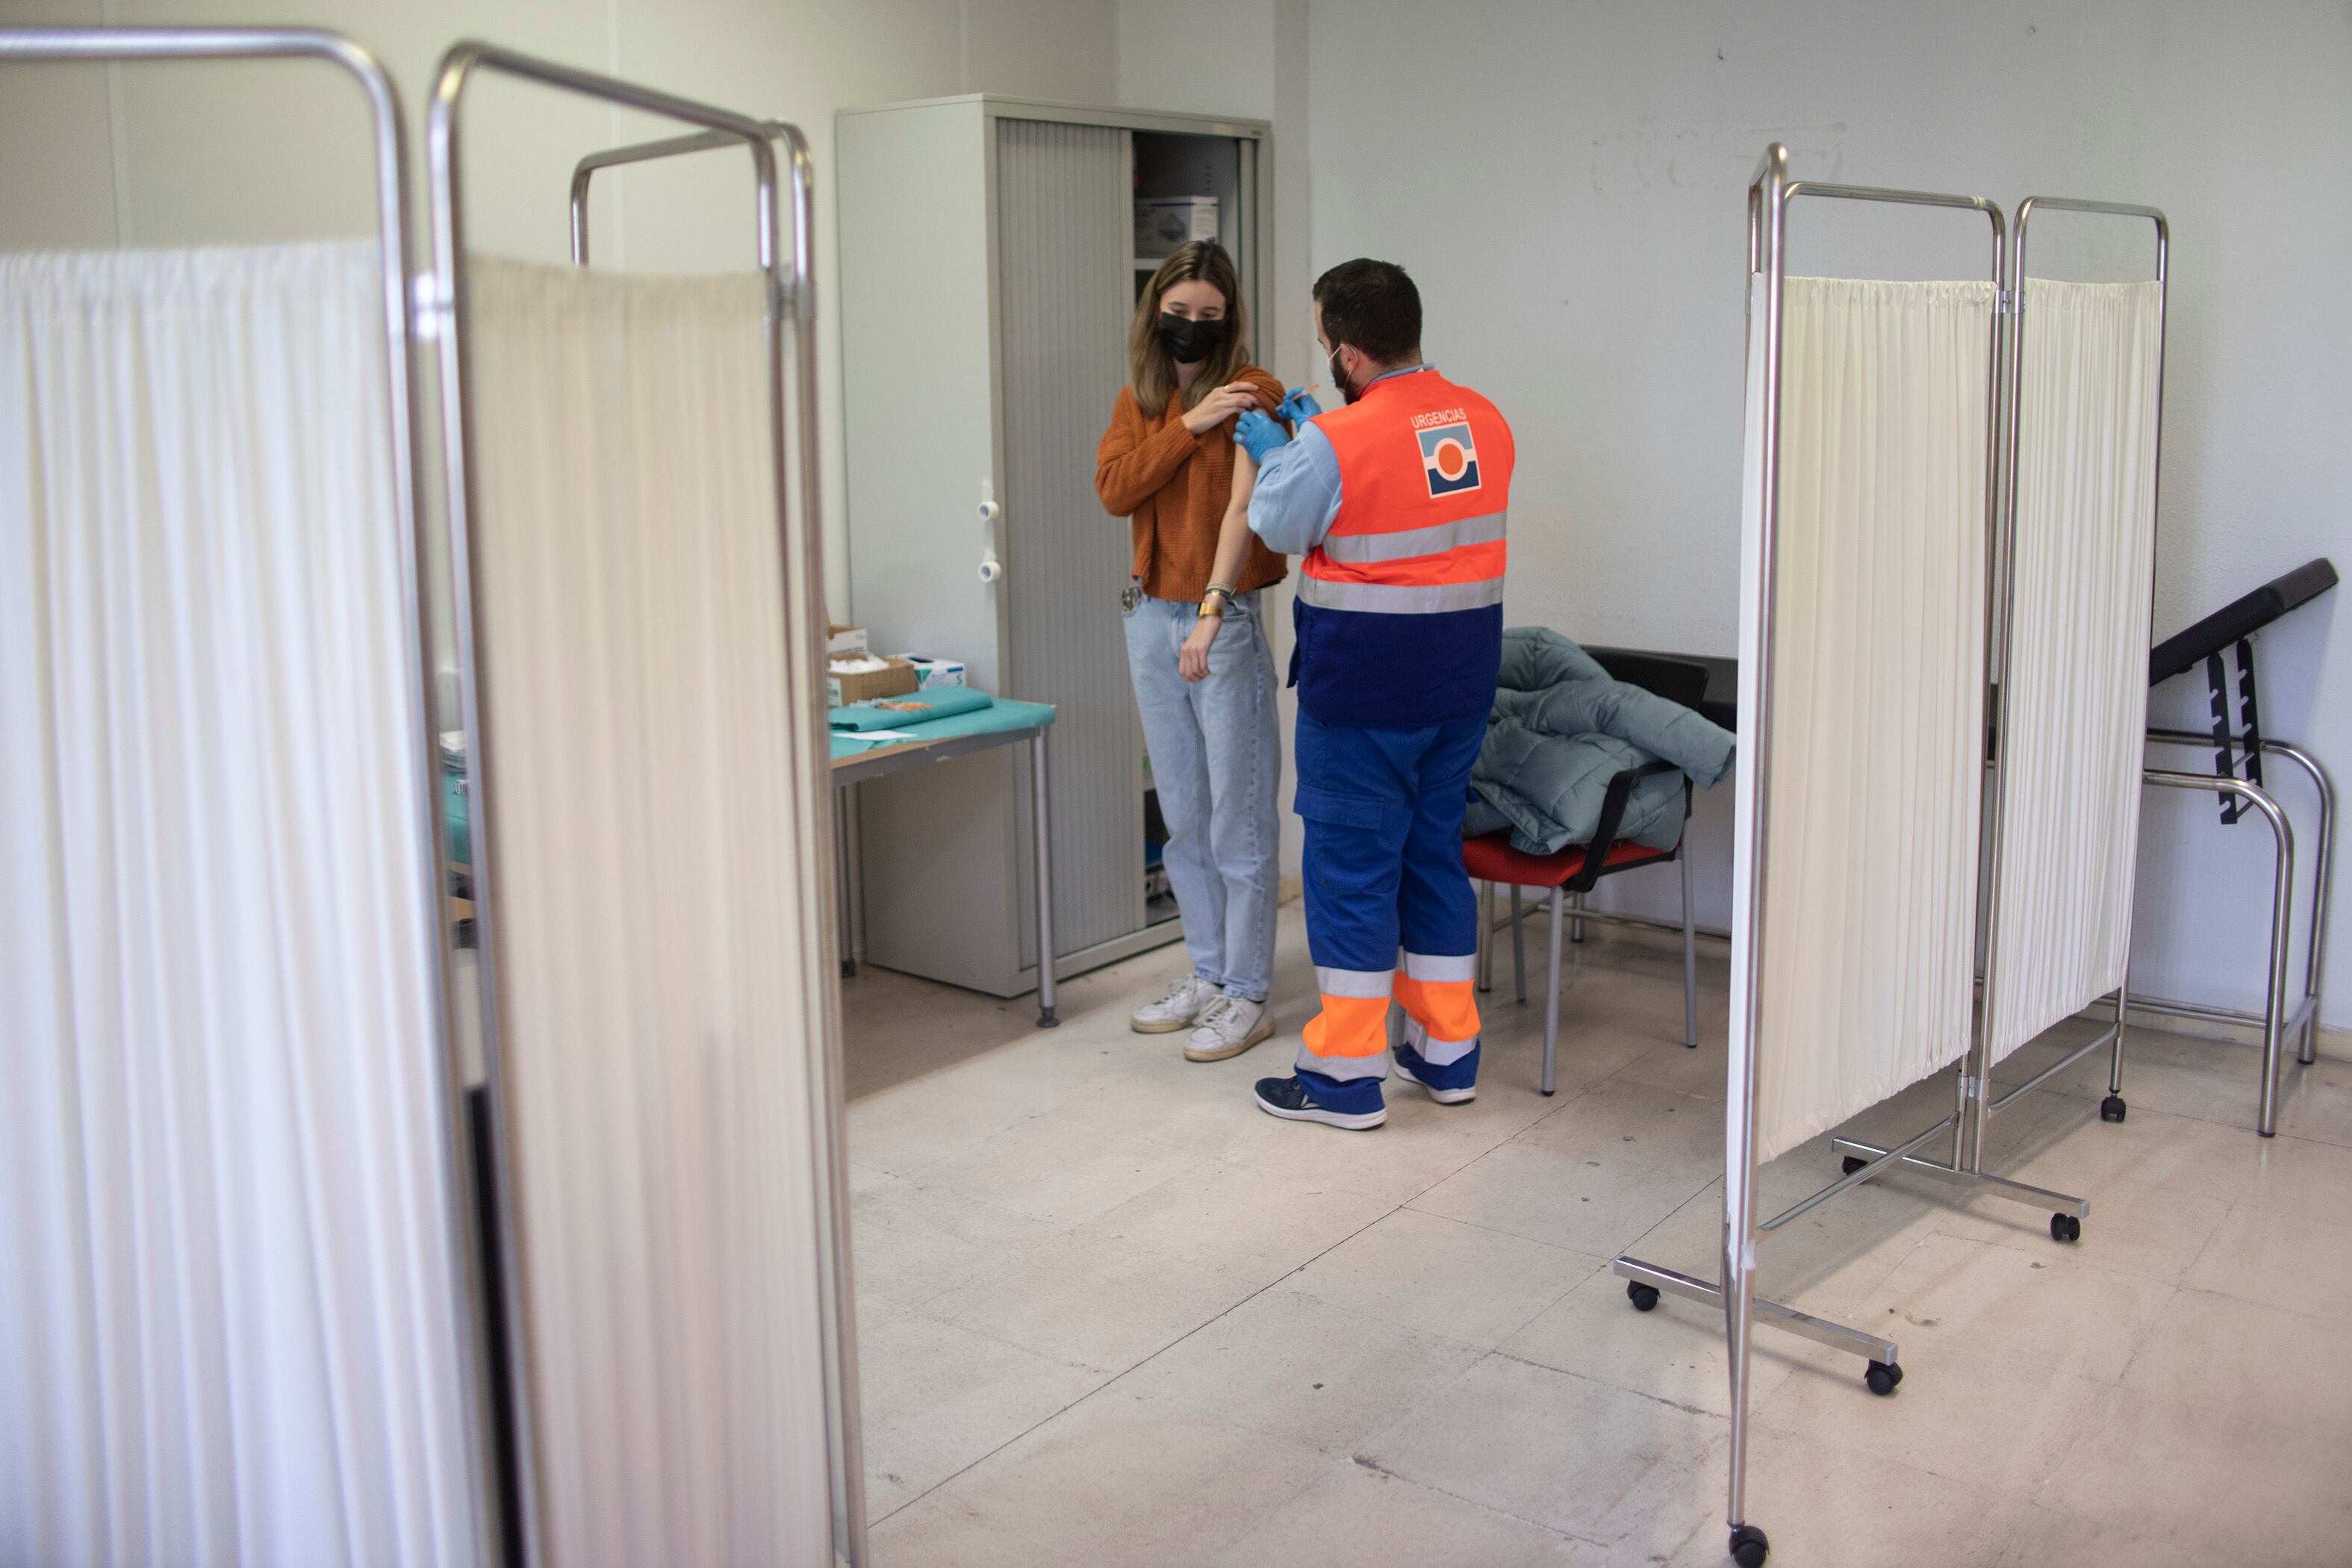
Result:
<point x="930" y="672"/>
<point x="840" y="640"/>
<point x="1163" y="223"/>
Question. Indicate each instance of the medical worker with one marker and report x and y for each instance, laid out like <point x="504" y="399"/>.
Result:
<point x="1397" y="503"/>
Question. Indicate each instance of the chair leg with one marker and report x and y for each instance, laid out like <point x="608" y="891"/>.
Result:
<point x="1518" y="948"/>
<point x="1552" y="996"/>
<point x="1576" y="921"/>
<point x="1486" y="936"/>
<point x="1690" y="959"/>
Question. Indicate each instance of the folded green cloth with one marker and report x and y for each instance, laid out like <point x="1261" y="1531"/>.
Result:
<point x="1004" y="715"/>
<point x="914" y="707"/>
<point x="453" y="820"/>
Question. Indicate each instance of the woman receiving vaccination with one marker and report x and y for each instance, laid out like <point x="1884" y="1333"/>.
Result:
<point x="1196" y="644"/>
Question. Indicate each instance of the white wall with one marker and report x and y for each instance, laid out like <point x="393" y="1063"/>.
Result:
<point x="185" y="155"/>
<point x="1566" y="180"/>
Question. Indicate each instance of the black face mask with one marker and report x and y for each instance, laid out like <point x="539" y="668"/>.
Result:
<point x="1189" y="341"/>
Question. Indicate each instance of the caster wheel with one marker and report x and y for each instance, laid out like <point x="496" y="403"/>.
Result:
<point x="1643" y="1297"/>
<point x="2065" y="1227"/>
<point x="1883" y="1377"/>
<point x="2112" y="1108"/>
<point x="1854" y="1162"/>
<point x="1748" y="1547"/>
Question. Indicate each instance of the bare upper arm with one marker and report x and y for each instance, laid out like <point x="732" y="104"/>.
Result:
<point x="1244" y="481"/>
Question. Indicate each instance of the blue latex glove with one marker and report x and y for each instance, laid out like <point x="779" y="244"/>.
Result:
<point x="1256" y="433"/>
<point x="1300" y="405"/>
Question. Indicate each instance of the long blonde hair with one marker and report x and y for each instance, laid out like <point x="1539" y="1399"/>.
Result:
<point x="1149" y="369"/>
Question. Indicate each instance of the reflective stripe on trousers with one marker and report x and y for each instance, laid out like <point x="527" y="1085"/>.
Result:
<point x="1348" y="1039"/>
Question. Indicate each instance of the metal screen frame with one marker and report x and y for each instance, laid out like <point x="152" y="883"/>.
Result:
<point x="1770" y="194"/>
<point x="1768" y="197"/>
<point x="119" y="45"/>
<point x="1967" y="1143"/>
<point x="791" y="321"/>
<point x="1977" y="1104"/>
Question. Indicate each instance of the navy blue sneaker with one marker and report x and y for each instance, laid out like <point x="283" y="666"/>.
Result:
<point x="1452" y="1084"/>
<point x="1290" y="1099"/>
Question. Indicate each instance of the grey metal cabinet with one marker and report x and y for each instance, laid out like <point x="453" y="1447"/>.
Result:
<point x="987" y="274"/>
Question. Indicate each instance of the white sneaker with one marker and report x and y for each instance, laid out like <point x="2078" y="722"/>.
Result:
<point x="1178" y="1008"/>
<point x="1229" y="1025"/>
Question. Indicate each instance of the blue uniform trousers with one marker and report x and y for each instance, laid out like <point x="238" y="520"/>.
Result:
<point x="1390" y="911"/>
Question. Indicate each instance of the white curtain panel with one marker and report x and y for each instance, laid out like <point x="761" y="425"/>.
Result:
<point x="1869" y="918"/>
<point x="227" y="1312"/>
<point x="651" y="966"/>
<point x="2076" y="691"/>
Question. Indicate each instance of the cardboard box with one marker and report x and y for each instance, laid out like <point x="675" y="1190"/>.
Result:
<point x="930" y="672"/>
<point x="1163" y="223"/>
<point x="897" y="678"/>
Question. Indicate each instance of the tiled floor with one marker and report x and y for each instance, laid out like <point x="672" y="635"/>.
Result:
<point x="1110" y="1313"/>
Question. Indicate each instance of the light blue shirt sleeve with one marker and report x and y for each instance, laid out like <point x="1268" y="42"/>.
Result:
<point x="1297" y="493"/>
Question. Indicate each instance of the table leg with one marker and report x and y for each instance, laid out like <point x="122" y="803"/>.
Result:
<point x="1040" y="799"/>
<point x="841" y="878"/>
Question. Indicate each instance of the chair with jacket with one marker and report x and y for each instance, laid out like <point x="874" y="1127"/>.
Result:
<point x="1570" y="872"/>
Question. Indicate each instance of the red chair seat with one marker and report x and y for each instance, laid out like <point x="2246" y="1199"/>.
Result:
<point x="1492" y="860"/>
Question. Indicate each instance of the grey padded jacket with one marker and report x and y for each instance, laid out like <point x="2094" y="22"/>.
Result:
<point x="1561" y="728"/>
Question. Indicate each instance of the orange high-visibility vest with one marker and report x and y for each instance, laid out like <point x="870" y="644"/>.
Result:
<point x="1399" y="607"/>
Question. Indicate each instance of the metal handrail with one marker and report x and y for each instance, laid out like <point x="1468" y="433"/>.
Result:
<point x="2282" y="919"/>
<point x="2323" y="884"/>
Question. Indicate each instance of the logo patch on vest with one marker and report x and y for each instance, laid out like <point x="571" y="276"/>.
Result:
<point x="1449" y="457"/>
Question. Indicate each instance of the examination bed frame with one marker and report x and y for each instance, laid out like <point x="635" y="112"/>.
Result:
<point x="2237" y="777"/>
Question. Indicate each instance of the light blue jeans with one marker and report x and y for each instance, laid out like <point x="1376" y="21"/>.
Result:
<point x="1216" y="761"/>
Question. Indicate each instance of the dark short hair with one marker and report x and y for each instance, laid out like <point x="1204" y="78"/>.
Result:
<point x="1372" y="305"/>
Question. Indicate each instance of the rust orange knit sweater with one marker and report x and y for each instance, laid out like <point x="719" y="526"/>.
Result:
<point x="1175" y="485"/>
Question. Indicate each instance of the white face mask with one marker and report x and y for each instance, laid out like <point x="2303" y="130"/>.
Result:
<point x="1340" y="382"/>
